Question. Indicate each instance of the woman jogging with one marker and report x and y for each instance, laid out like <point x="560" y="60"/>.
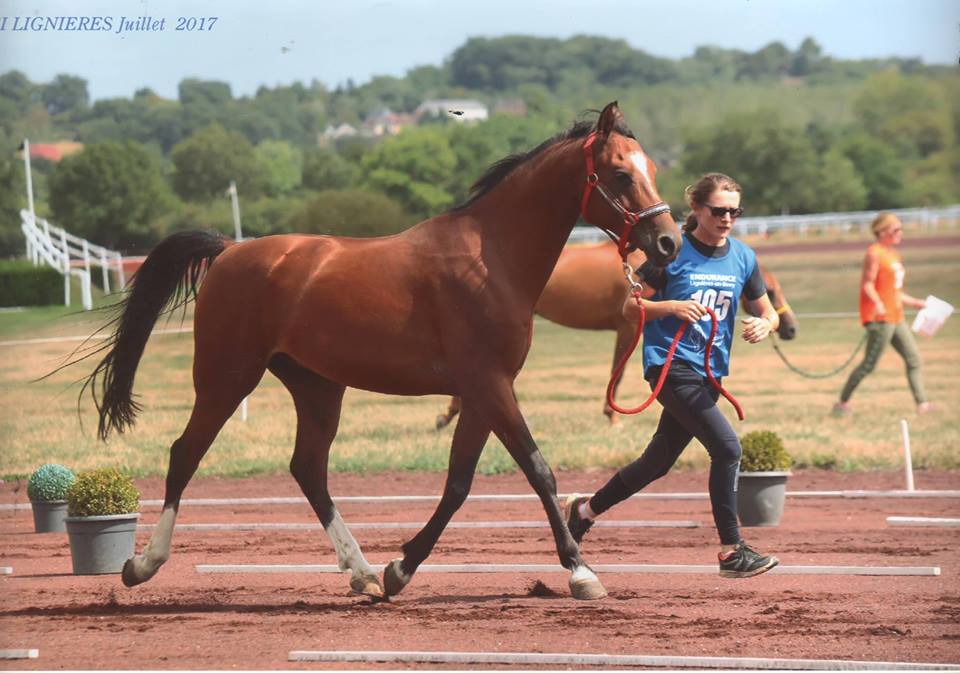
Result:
<point x="712" y="270"/>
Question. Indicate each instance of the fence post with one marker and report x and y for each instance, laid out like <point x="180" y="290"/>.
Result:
<point x="121" y="274"/>
<point x="105" y="270"/>
<point x="86" y="256"/>
<point x="86" y="296"/>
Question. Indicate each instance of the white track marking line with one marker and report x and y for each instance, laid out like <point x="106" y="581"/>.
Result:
<point x="19" y="654"/>
<point x="922" y="521"/>
<point x="631" y="660"/>
<point x="254" y="568"/>
<point x="408" y="525"/>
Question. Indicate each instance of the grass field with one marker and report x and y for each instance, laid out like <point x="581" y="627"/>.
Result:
<point x="560" y="391"/>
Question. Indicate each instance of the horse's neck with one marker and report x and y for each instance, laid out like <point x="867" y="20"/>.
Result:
<point x="526" y="220"/>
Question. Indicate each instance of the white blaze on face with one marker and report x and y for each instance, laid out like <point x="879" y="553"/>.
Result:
<point x="639" y="160"/>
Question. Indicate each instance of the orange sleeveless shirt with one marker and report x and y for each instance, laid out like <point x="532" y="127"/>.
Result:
<point x="888" y="283"/>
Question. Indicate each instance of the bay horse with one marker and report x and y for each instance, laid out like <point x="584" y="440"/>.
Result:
<point x="586" y="291"/>
<point x="445" y="307"/>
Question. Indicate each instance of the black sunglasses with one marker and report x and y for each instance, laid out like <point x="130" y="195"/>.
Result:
<point x="717" y="211"/>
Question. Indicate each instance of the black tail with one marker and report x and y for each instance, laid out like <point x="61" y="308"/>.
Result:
<point x="169" y="274"/>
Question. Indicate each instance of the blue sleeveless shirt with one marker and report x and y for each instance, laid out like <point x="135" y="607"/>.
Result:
<point x="716" y="282"/>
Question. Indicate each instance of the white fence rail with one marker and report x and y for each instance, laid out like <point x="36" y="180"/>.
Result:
<point x="803" y="224"/>
<point x="70" y="255"/>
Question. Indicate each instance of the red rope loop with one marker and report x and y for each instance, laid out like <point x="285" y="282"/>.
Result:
<point x="666" y="365"/>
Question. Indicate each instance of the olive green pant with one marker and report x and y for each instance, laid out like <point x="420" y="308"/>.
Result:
<point x="879" y="334"/>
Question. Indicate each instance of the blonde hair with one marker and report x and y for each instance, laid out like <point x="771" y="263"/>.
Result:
<point x="696" y="195"/>
<point x="882" y="222"/>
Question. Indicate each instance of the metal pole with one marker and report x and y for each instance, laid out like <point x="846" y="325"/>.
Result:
<point x="26" y="167"/>
<point x="235" y="202"/>
<point x="907" y="459"/>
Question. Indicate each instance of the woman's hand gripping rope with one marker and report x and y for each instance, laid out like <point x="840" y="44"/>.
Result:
<point x="688" y="312"/>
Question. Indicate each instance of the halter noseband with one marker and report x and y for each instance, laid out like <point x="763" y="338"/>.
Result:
<point x="630" y="217"/>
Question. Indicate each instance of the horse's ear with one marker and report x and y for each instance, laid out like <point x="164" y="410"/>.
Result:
<point x="609" y="119"/>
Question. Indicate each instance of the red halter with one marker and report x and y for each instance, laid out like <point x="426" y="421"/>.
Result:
<point x="630" y="217"/>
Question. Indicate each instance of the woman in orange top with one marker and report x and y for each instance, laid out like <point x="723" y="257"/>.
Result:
<point x="881" y="311"/>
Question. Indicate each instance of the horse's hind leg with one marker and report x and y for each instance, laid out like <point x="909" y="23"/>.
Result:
<point x="443" y="420"/>
<point x="318" y="401"/>
<point x="210" y="411"/>
<point x="468" y="441"/>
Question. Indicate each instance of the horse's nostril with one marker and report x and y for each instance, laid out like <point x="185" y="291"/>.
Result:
<point x="666" y="245"/>
<point x="788" y="333"/>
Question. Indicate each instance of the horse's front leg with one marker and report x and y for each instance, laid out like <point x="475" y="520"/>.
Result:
<point x="469" y="439"/>
<point x="506" y="420"/>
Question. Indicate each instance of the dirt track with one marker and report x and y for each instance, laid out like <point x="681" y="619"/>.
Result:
<point x="184" y="620"/>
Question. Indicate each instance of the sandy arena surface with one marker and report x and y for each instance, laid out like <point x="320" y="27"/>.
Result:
<point x="185" y="620"/>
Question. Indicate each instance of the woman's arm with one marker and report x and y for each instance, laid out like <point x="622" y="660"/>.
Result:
<point x="868" y="280"/>
<point x="912" y="302"/>
<point x="688" y="310"/>
<point x="766" y="321"/>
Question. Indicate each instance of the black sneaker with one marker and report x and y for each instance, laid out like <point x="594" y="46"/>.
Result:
<point x="745" y="562"/>
<point x="577" y="524"/>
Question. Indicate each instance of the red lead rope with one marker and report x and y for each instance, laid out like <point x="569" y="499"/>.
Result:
<point x="666" y="365"/>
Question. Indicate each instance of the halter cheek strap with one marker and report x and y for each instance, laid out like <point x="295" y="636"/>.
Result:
<point x="630" y="217"/>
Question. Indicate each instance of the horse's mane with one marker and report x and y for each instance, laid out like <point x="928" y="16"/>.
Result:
<point x="502" y="168"/>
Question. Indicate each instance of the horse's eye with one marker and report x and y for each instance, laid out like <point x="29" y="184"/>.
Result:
<point x="623" y="178"/>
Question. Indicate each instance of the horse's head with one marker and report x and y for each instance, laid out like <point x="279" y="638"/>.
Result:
<point x="788" y="319"/>
<point x="629" y="207"/>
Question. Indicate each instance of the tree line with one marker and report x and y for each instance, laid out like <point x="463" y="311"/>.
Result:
<point x="802" y="132"/>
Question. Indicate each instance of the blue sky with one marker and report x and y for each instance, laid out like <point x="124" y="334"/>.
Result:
<point x="266" y="42"/>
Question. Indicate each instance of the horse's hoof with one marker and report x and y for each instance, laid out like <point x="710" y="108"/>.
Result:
<point x="394" y="579"/>
<point x="367" y="585"/>
<point x="585" y="586"/>
<point x="129" y="574"/>
<point x="442" y="421"/>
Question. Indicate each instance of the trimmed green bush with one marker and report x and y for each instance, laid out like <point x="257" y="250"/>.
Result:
<point x="763" y="451"/>
<point x="102" y="492"/>
<point x="23" y="284"/>
<point x="50" y="482"/>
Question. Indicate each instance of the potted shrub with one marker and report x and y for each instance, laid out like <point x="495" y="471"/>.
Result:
<point x="102" y="511"/>
<point x="762" y="486"/>
<point x="47" y="490"/>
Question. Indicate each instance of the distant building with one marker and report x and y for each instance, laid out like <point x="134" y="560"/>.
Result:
<point x="458" y="109"/>
<point x="334" y="133"/>
<point x="386" y="122"/>
<point x="54" y="152"/>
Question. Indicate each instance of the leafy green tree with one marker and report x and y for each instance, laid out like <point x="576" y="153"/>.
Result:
<point x="773" y="162"/>
<point x="807" y="59"/>
<point x="412" y="168"/>
<point x="203" y="102"/>
<point x="110" y="193"/>
<point x="17" y="89"/>
<point x="12" y="199"/>
<point x="773" y="60"/>
<point x="350" y="212"/>
<point x="208" y="160"/>
<point x="65" y="93"/>
<point x="933" y="181"/>
<point x="323" y="168"/>
<point x="909" y="113"/>
<point x="879" y="167"/>
<point x="281" y="164"/>
<point x="841" y="187"/>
